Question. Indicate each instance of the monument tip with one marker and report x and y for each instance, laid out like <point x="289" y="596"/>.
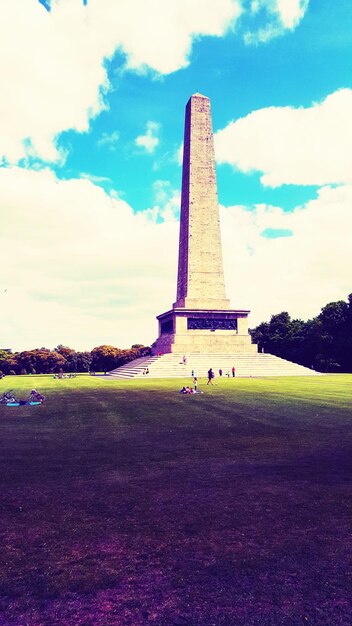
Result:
<point x="199" y="95"/>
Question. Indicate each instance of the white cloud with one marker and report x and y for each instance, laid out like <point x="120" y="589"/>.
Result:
<point x="109" y="140"/>
<point x="95" y="179"/>
<point x="84" y="269"/>
<point x="298" y="274"/>
<point x="166" y="201"/>
<point x="178" y="157"/>
<point x="255" y="6"/>
<point x="305" y="146"/>
<point x="150" y="140"/>
<point x="291" y="12"/>
<point x="281" y="15"/>
<point x="162" y="36"/>
<point x="47" y="89"/>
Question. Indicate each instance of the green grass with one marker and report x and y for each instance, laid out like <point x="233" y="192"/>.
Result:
<point x="124" y="502"/>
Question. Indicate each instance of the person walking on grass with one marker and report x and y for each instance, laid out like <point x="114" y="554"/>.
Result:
<point x="210" y="376"/>
<point x="233" y="372"/>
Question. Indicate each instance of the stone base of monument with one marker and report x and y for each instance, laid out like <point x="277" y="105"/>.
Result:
<point x="246" y="365"/>
<point x="217" y="342"/>
<point x="223" y="331"/>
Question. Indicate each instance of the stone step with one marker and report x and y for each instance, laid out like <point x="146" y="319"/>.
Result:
<point x="247" y="365"/>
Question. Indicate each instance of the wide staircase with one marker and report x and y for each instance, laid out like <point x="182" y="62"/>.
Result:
<point x="246" y="365"/>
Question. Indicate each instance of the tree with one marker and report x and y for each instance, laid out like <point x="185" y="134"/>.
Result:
<point x="65" y="351"/>
<point x="78" y="362"/>
<point x="8" y="362"/>
<point x="336" y="335"/>
<point x="42" y="360"/>
<point x="277" y="336"/>
<point x="105" y="358"/>
<point x="260" y="335"/>
<point x="334" y="315"/>
<point x="325" y="342"/>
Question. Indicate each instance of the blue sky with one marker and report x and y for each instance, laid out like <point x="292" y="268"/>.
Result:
<point x="91" y="127"/>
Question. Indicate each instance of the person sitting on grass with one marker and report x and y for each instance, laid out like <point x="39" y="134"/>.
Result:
<point x="35" y="396"/>
<point x="8" y="398"/>
<point x="187" y="390"/>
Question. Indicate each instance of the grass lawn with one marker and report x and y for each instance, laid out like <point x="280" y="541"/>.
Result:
<point x="125" y="503"/>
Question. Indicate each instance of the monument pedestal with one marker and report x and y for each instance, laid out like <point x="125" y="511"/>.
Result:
<point x="203" y="331"/>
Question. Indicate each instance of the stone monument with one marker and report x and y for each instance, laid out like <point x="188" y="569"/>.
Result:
<point x="201" y="320"/>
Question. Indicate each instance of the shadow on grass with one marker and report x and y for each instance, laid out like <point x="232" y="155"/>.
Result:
<point x="130" y="504"/>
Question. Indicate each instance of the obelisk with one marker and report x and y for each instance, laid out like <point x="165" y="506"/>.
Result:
<point x="201" y="320"/>
<point x="200" y="281"/>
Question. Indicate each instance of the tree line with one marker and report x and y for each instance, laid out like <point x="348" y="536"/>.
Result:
<point x="323" y="343"/>
<point x="64" y="359"/>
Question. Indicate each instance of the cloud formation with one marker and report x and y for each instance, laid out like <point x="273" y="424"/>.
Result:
<point x="150" y="140"/>
<point x="281" y="15"/>
<point x="304" y="146"/>
<point x="299" y="273"/>
<point x="47" y="89"/>
<point x="85" y="269"/>
<point x="109" y="140"/>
